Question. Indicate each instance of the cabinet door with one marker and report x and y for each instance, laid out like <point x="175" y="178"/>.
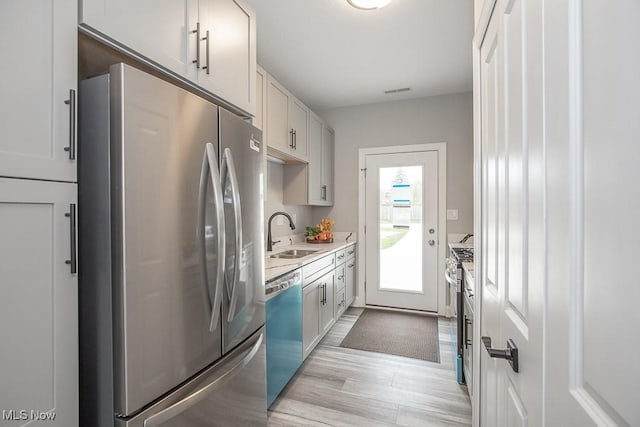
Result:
<point x="38" y="300"/>
<point x="299" y="122"/>
<point x="159" y="30"/>
<point x="315" y="191"/>
<point x="278" y="131"/>
<point x="339" y="303"/>
<point x="311" y="300"/>
<point x="340" y="276"/>
<point x="327" y="164"/>
<point x="231" y="50"/>
<point x="327" y="310"/>
<point x="38" y="41"/>
<point x="350" y="281"/>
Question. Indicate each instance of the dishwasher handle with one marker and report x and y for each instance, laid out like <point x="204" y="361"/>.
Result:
<point x="279" y="286"/>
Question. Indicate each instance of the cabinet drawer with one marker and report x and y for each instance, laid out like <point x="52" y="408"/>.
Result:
<point x="313" y="270"/>
<point x="351" y="252"/>
<point x="340" y="256"/>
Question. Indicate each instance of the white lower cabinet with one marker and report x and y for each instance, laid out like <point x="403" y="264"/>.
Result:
<point x="328" y="289"/>
<point x="317" y="311"/>
<point x="38" y="302"/>
<point x="327" y="314"/>
<point x="350" y="281"/>
<point x="311" y="297"/>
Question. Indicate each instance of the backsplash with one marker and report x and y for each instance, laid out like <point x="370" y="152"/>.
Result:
<point x="302" y="214"/>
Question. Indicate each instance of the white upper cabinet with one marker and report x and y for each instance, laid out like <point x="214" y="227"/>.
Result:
<point x="279" y="136"/>
<point x="328" y="143"/>
<point x="287" y="123"/>
<point x="299" y="123"/>
<point x="210" y="43"/>
<point x="228" y="51"/>
<point x="312" y="183"/>
<point x="39" y="78"/>
<point x="160" y="30"/>
<point x="315" y="190"/>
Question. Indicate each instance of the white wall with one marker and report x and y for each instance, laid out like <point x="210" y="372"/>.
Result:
<point x="444" y="118"/>
<point x="274" y="203"/>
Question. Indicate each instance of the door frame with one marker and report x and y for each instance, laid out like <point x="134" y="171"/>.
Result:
<point x="441" y="149"/>
<point x="481" y="27"/>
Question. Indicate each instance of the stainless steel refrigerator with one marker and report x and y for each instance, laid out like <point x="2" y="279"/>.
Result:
<point x="172" y="308"/>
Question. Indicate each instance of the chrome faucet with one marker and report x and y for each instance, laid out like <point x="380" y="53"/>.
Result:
<point x="291" y="224"/>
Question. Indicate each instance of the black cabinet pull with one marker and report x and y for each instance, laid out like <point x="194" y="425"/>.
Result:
<point x="71" y="102"/>
<point x="510" y="353"/>
<point x="73" y="262"/>
<point x="467" y="322"/>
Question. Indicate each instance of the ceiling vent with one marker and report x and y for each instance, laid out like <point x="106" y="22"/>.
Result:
<point x="402" y="89"/>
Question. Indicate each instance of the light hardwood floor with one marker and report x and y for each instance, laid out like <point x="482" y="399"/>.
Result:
<point x="345" y="387"/>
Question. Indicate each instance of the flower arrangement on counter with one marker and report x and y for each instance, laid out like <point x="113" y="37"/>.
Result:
<point x="322" y="232"/>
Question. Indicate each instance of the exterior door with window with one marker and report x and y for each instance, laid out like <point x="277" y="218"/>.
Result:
<point x="402" y="230"/>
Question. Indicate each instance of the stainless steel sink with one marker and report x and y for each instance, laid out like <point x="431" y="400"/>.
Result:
<point x="293" y="253"/>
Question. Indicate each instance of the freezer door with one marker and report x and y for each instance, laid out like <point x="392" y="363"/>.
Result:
<point x="164" y="168"/>
<point x="231" y="393"/>
<point x="241" y="169"/>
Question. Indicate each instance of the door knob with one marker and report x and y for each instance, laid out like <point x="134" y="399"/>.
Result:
<point x="510" y="354"/>
<point x="432" y="242"/>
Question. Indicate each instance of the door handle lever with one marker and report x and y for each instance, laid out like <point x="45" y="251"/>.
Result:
<point x="510" y="353"/>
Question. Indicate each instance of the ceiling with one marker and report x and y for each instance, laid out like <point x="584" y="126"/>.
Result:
<point x="330" y="54"/>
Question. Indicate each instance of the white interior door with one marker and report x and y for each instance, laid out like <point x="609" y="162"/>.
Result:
<point x="592" y="134"/>
<point x="402" y="230"/>
<point x="559" y="153"/>
<point x="512" y="243"/>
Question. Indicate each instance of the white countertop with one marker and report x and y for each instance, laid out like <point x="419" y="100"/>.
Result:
<point x="275" y="267"/>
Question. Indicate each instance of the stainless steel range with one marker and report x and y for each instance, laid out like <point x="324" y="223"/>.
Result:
<point x="459" y="253"/>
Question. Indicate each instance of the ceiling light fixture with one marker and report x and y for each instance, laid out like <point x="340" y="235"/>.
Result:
<point x="368" y="4"/>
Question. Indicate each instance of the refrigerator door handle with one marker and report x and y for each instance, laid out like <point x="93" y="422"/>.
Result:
<point x="199" y="395"/>
<point x="210" y="169"/>
<point x="229" y="171"/>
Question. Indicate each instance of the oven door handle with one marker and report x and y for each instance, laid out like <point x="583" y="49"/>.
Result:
<point x="450" y="279"/>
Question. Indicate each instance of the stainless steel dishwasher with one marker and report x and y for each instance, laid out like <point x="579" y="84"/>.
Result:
<point x="284" y="331"/>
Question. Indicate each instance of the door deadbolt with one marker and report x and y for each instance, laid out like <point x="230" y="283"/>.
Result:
<point x="432" y="242"/>
<point x="431" y="231"/>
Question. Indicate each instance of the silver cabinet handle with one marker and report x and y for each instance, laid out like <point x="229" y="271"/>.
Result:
<point x="229" y="172"/>
<point x="73" y="262"/>
<point x="198" y="396"/>
<point x="210" y="169"/>
<point x="197" y="33"/>
<point x="207" y="53"/>
<point x="71" y="102"/>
